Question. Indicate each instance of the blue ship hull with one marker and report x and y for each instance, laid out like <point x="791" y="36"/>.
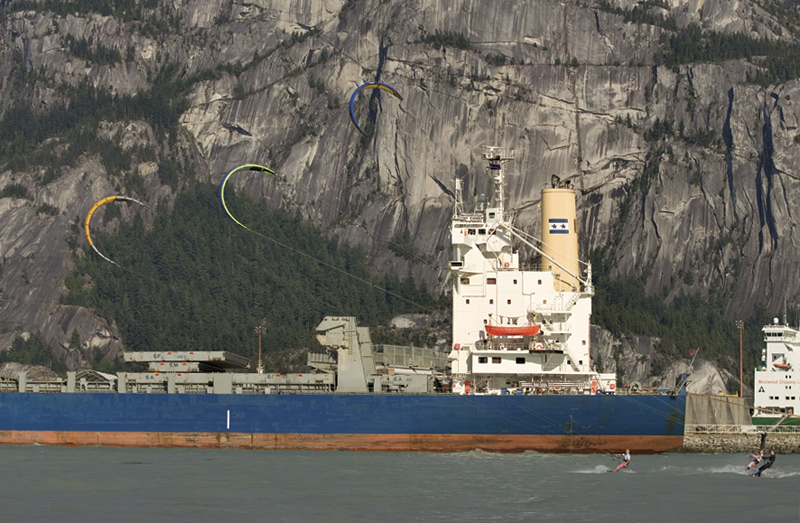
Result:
<point x="432" y="422"/>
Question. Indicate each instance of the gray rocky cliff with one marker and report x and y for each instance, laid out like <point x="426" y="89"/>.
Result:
<point x="636" y="360"/>
<point x="571" y="88"/>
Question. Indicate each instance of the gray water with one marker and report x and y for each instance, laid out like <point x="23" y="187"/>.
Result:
<point x="39" y="483"/>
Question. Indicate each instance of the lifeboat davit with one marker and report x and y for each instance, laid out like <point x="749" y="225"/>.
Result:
<point x="513" y="330"/>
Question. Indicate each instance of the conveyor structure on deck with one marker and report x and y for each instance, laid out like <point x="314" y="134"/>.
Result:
<point x="188" y="361"/>
<point x="348" y="366"/>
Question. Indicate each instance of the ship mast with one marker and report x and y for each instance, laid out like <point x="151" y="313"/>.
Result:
<point x="496" y="161"/>
<point x="458" y="206"/>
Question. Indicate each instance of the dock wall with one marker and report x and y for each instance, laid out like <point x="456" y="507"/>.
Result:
<point x="741" y="443"/>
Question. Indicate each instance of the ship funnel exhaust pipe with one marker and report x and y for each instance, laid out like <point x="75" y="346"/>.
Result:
<point x="560" y="237"/>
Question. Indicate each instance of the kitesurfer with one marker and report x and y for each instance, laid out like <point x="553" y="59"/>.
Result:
<point x="767" y="463"/>
<point x="756" y="459"/>
<point x="626" y="458"/>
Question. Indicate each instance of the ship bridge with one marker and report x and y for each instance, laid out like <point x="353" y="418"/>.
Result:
<point x="491" y="287"/>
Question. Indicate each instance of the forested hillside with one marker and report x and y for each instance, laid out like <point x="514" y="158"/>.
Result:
<point x="198" y="281"/>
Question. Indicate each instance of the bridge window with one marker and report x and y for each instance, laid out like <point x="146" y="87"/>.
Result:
<point x="464" y="281"/>
<point x="520" y="361"/>
<point x="484" y="359"/>
<point x="491" y="281"/>
<point x="496" y="359"/>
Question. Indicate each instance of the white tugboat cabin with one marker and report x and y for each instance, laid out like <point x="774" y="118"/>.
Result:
<point x="776" y="391"/>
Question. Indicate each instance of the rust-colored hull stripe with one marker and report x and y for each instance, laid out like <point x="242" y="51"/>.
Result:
<point x="349" y="442"/>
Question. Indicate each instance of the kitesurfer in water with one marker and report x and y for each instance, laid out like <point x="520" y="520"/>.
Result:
<point x="626" y="458"/>
<point x="767" y="464"/>
<point x="756" y="459"/>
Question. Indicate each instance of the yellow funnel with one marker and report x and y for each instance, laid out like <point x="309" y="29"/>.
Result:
<point x="560" y="237"/>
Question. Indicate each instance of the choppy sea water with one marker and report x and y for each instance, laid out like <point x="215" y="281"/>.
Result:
<point x="39" y="483"/>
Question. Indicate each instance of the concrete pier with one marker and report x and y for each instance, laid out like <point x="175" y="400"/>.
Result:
<point x="781" y="443"/>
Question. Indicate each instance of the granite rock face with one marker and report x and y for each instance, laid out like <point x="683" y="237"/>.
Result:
<point x="571" y="89"/>
<point x="635" y="360"/>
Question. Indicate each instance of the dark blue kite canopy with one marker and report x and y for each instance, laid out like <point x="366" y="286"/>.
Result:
<point x="370" y="85"/>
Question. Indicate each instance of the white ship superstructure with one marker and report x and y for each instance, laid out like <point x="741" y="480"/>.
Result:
<point x="520" y="328"/>
<point x="776" y="391"/>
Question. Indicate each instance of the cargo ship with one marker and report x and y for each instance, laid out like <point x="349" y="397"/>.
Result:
<point x="518" y="375"/>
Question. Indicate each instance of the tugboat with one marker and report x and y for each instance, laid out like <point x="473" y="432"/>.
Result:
<point x="776" y="393"/>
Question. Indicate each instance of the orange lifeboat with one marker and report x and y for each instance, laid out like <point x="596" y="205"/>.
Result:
<point x="512" y="330"/>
